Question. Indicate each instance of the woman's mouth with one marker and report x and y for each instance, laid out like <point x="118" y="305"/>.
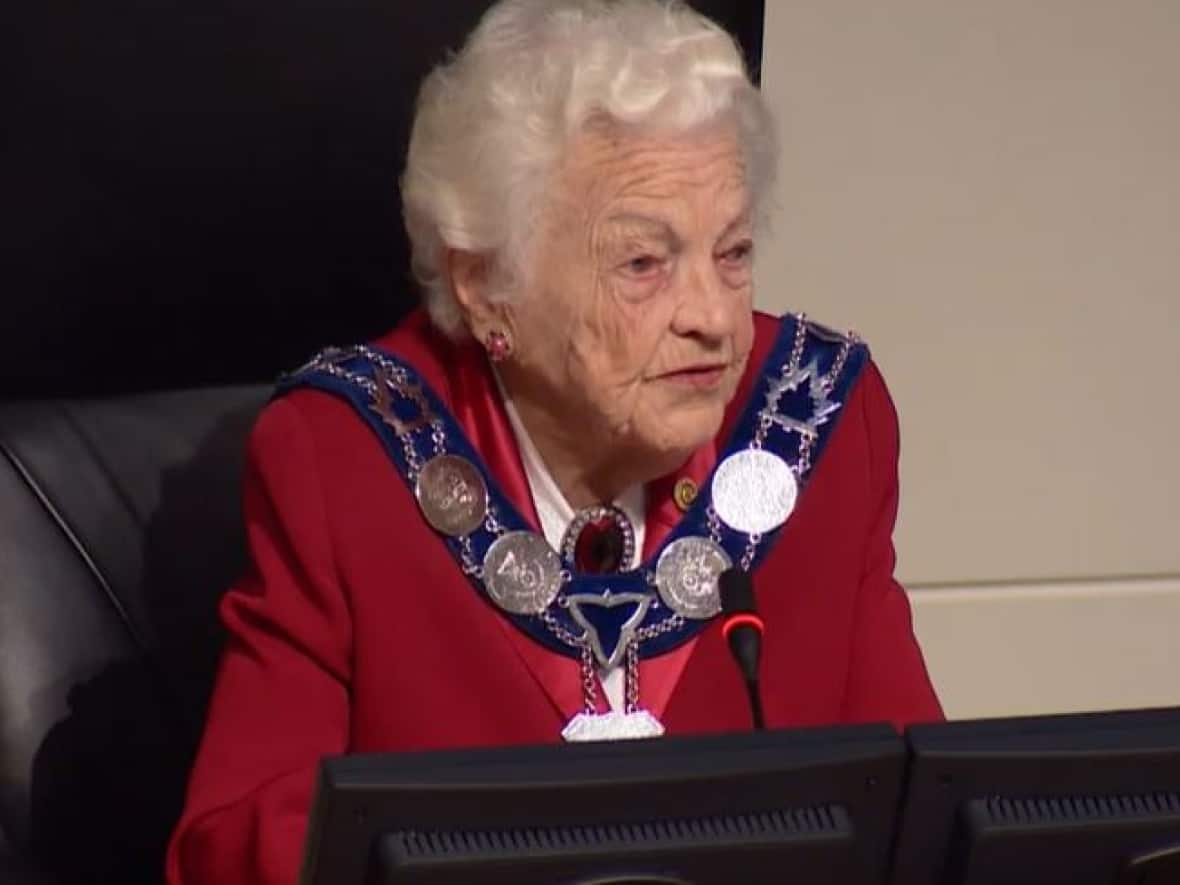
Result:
<point x="700" y="377"/>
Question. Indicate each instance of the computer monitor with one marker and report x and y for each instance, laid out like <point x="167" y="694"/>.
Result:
<point x="808" y="807"/>
<point x="1058" y="800"/>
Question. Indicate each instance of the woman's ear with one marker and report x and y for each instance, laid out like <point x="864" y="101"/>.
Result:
<point x="470" y="274"/>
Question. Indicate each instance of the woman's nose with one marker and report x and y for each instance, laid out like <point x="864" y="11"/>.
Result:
<point x="708" y="307"/>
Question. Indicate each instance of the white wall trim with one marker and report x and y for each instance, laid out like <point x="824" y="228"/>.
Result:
<point x="1009" y="650"/>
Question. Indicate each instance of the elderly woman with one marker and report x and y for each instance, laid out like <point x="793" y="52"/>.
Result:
<point x="504" y="522"/>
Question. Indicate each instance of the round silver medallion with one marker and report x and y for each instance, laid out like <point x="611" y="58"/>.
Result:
<point x="452" y="495"/>
<point x="522" y="573"/>
<point x="686" y="576"/>
<point x="754" y="491"/>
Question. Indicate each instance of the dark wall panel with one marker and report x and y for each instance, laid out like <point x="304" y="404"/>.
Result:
<point x="198" y="193"/>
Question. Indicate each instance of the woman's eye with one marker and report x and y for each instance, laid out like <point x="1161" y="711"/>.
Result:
<point x="644" y="265"/>
<point x="738" y="254"/>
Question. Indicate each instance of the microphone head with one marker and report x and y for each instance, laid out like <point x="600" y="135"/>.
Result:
<point x="737" y="592"/>
<point x="742" y="628"/>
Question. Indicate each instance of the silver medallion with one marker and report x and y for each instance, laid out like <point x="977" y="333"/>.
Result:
<point x="754" y="491"/>
<point x="686" y="576"/>
<point x="522" y="573"/>
<point x="452" y="495"/>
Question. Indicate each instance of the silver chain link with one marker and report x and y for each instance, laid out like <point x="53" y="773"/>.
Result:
<point x="492" y="523"/>
<point x="467" y="555"/>
<point x="438" y="436"/>
<point x="747" y="560"/>
<point x="800" y="342"/>
<point x="713" y="523"/>
<point x="652" y="631"/>
<point x="829" y="380"/>
<point x="561" y="632"/>
<point x="632" y="677"/>
<point x="803" y="464"/>
<point x="589" y="680"/>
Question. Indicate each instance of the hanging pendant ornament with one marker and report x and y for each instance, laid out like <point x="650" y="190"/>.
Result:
<point x="754" y="491"/>
<point x="522" y="573"/>
<point x="452" y="495"/>
<point x="613" y="726"/>
<point x="629" y="723"/>
<point x="686" y="576"/>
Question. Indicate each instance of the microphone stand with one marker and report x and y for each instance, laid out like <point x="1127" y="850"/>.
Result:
<point x="742" y="629"/>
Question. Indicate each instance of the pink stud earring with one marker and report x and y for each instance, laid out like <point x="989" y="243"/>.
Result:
<point x="499" y="346"/>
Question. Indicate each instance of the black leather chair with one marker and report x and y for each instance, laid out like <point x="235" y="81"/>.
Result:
<point x="193" y="195"/>
<point x="119" y="529"/>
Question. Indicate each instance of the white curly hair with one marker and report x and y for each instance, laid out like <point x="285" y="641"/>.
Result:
<point x="492" y="120"/>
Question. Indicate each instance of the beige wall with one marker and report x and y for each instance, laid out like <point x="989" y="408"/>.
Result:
<point x="990" y="194"/>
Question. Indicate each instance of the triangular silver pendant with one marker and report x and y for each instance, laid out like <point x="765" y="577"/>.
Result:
<point x="609" y="622"/>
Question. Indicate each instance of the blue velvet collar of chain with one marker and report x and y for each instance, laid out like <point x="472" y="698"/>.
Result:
<point x="610" y="605"/>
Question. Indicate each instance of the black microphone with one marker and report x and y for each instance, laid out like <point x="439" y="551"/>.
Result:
<point x="742" y="629"/>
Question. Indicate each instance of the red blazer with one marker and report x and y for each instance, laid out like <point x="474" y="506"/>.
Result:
<point x="355" y="631"/>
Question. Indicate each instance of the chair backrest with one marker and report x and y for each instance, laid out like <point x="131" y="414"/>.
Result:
<point x="119" y="530"/>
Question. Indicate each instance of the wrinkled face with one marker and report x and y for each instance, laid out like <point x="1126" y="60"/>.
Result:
<point x="636" y="323"/>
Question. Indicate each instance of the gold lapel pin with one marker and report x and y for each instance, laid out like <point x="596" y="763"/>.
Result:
<point x="685" y="493"/>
